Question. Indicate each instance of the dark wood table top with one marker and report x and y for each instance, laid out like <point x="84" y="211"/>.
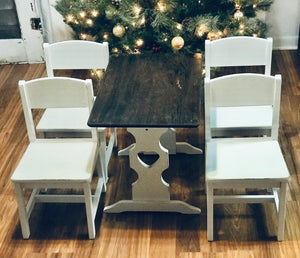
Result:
<point x="157" y="90"/>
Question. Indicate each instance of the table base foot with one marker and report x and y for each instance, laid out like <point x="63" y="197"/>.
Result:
<point x="154" y="206"/>
<point x="184" y="147"/>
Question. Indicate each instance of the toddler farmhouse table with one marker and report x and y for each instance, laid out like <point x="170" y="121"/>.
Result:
<point x="150" y="95"/>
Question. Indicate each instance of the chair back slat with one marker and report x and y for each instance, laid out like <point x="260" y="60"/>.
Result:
<point x="243" y="90"/>
<point x="58" y="92"/>
<point x="238" y="51"/>
<point x="76" y="54"/>
<point x="54" y="92"/>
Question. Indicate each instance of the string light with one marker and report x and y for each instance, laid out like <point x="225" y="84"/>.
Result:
<point x="137" y="10"/>
<point x="214" y="35"/>
<point x="200" y="30"/>
<point x="115" y="50"/>
<point x="89" y="22"/>
<point x="82" y="14"/>
<point x="94" y="13"/>
<point x="242" y="28"/>
<point x="70" y="18"/>
<point x="83" y="36"/>
<point x="142" y="21"/>
<point x="105" y="35"/>
<point x="179" y="26"/>
<point x="238" y="15"/>
<point x="161" y="6"/>
<point x="139" y="42"/>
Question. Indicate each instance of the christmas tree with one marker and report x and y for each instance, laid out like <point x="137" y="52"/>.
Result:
<point x="135" y="26"/>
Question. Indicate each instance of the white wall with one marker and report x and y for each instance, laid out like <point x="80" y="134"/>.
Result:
<point x="60" y="30"/>
<point x="283" y="19"/>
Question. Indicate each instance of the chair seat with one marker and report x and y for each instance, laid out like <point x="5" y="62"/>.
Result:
<point x="241" y="117"/>
<point x="245" y="158"/>
<point x="65" y="119"/>
<point x="57" y="161"/>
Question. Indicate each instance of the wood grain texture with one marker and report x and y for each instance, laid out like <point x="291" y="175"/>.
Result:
<point x="59" y="230"/>
<point x="158" y="90"/>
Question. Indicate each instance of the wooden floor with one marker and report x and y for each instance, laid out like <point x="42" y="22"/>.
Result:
<point x="59" y="230"/>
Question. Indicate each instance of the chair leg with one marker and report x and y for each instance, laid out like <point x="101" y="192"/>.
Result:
<point x="282" y="211"/>
<point x="24" y="219"/>
<point x="89" y="211"/>
<point x="113" y="131"/>
<point x="102" y="155"/>
<point x="210" y="213"/>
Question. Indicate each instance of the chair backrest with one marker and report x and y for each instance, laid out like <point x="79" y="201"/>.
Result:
<point x="76" y="54"/>
<point x="54" y="92"/>
<point x="238" y="51"/>
<point x="245" y="89"/>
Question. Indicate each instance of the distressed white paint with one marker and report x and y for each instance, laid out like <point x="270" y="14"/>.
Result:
<point x="28" y="49"/>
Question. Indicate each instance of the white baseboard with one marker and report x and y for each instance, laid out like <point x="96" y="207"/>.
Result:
<point x="288" y="43"/>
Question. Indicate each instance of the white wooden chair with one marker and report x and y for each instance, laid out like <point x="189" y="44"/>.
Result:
<point x="75" y="54"/>
<point x="239" y="51"/>
<point x="245" y="162"/>
<point x="66" y="163"/>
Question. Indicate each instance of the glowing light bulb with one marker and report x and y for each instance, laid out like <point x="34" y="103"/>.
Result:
<point x="83" y="36"/>
<point x="99" y="73"/>
<point x="94" y="13"/>
<point x="82" y="14"/>
<point x="115" y="50"/>
<point x="200" y="30"/>
<point x="179" y="26"/>
<point x="89" y="22"/>
<point x="142" y="21"/>
<point x="242" y="28"/>
<point x="70" y="18"/>
<point x="105" y="35"/>
<point x="139" y="42"/>
<point x="238" y="14"/>
<point x="161" y="6"/>
<point x="137" y="9"/>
